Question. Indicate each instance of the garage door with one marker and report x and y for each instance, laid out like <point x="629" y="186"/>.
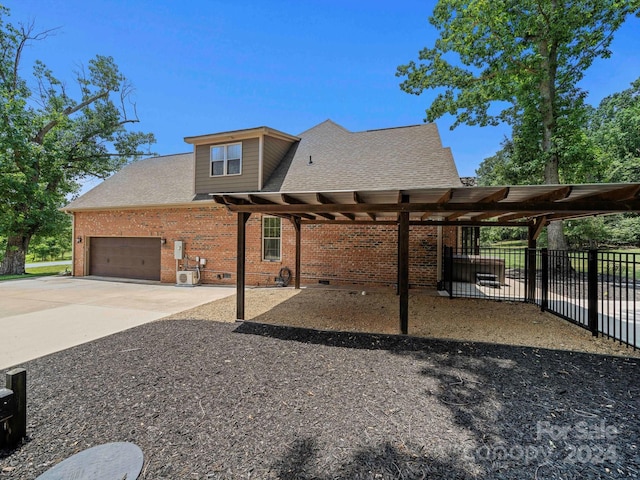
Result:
<point x="125" y="257"/>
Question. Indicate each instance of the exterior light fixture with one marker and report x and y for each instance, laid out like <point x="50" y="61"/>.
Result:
<point x="79" y="240"/>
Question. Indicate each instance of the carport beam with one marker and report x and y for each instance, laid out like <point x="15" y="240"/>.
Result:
<point x="241" y="252"/>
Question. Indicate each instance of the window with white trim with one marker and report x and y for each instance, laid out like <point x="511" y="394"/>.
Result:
<point x="271" y="239"/>
<point x="226" y="160"/>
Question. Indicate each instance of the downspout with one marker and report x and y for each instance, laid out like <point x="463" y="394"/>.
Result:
<point x="73" y="243"/>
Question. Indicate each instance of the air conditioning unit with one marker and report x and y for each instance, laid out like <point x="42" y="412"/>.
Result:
<point x="187" y="278"/>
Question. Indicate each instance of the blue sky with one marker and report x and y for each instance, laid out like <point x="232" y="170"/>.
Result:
<point x="208" y="66"/>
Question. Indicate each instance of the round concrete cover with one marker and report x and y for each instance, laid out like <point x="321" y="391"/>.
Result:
<point x="111" y="461"/>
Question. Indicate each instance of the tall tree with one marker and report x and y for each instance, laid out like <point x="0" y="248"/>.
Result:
<point x="518" y="162"/>
<point x="505" y="168"/>
<point x="50" y="142"/>
<point x="614" y="126"/>
<point x="517" y="61"/>
<point x="606" y="149"/>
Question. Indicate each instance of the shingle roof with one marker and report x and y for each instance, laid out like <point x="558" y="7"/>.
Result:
<point x="166" y="180"/>
<point x="392" y="158"/>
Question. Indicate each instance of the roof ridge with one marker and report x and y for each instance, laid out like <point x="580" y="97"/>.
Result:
<point x="167" y="155"/>
<point x="396" y="128"/>
<point x="328" y="121"/>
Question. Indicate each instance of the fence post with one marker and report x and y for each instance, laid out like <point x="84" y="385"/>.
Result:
<point x="544" y="300"/>
<point x="592" y="291"/>
<point x="448" y="269"/>
<point x="530" y="275"/>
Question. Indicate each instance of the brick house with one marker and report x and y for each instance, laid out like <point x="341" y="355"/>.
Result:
<point x="130" y="225"/>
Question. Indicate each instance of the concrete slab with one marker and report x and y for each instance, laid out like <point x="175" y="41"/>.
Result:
<point x="48" y="314"/>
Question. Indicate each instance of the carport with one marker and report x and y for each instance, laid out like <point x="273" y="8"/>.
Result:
<point x="531" y="206"/>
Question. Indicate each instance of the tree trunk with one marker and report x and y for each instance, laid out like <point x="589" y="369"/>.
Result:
<point x="555" y="236"/>
<point x="14" y="257"/>
<point x="555" y="233"/>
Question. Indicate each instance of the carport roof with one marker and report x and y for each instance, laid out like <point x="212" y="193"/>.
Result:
<point x="500" y="206"/>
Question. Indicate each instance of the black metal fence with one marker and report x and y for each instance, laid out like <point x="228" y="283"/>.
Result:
<point x="493" y="273"/>
<point x="596" y="290"/>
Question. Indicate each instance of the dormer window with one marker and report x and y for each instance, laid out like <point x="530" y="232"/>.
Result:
<point x="226" y="160"/>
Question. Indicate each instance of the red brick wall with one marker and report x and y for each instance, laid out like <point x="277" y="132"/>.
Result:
<point x="341" y="254"/>
<point x="367" y="254"/>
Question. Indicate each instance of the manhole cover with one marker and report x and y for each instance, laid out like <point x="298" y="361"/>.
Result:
<point x="111" y="461"/>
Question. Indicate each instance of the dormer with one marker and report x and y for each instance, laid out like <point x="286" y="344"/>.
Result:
<point x="238" y="161"/>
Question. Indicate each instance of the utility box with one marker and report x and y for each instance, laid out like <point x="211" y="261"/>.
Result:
<point x="178" y="249"/>
<point x="7" y="404"/>
<point x="13" y="408"/>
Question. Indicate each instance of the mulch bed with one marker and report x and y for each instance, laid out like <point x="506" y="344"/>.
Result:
<point x="207" y="400"/>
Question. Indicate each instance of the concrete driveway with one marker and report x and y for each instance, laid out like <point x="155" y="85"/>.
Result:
<point x="47" y="314"/>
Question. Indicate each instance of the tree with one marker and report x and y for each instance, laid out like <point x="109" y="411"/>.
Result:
<point x="55" y="245"/>
<point x="517" y="62"/>
<point x="607" y="149"/>
<point x="518" y="161"/>
<point x="615" y="128"/>
<point x="506" y="168"/>
<point x="50" y="142"/>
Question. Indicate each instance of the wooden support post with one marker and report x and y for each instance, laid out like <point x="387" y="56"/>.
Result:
<point x="592" y="292"/>
<point x="439" y="264"/>
<point x="402" y="198"/>
<point x="241" y="252"/>
<point x="403" y="271"/>
<point x="16" y="380"/>
<point x="298" y="227"/>
<point x="399" y="262"/>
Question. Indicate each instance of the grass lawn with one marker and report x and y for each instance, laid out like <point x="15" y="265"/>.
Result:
<point x="614" y="260"/>
<point x="32" y="258"/>
<point x="506" y="244"/>
<point x="36" y="272"/>
<point x="514" y="256"/>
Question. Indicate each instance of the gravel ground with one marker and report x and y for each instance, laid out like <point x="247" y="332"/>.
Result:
<point x="213" y="400"/>
<point x="430" y="315"/>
